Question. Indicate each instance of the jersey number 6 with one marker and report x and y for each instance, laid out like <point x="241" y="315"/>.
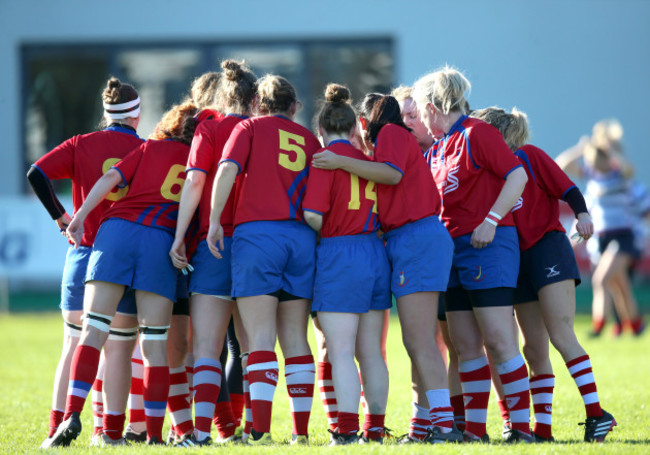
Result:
<point x="173" y="181"/>
<point x="285" y="161"/>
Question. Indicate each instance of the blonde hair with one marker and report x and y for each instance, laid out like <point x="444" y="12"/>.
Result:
<point x="204" y="90"/>
<point x="445" y="89"/>
<point x="276" y="94"/>
<point x="513" y="126"/>
<point x="607" y="133"/>
<point x="237" y="88"/>
<point x="402" y="93"/>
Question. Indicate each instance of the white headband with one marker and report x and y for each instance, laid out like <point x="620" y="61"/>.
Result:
<point x="122" y="115"/>
<point x="123" y="110"/>
<point x="122" y="107"/>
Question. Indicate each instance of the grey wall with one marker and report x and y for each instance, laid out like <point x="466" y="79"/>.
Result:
<point x="566" y="63"/>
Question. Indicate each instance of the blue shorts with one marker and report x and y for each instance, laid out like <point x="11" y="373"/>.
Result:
<point x="420" y="254"/>
<point x="624" y="239"/>
<point x="212" y="276"/>
<point x="133" y="255"/>
<point x="352" y="275"/>
<point x="73" y="284"/>
<point x="495" y="266"/>
<point x="268" y="256"/>
<point x="550" y="260"/>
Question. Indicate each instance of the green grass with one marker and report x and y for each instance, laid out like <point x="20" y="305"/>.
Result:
<point x="30" y="346"/>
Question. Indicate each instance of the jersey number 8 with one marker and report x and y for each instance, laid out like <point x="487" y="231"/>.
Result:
<point x="117" y="193"/>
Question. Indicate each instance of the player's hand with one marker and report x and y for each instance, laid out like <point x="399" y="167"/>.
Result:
<point x="75" y="231"/>
<point x="585" y="226"/>
<point x="215" y="240"/>
<point x="483" y="235"/>
<point x="62" y="222"/>
<point x="326" y="160"/>
<point x="178" y="254"/>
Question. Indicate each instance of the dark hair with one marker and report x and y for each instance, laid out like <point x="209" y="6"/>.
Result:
<point x="237" y="88"/>
<point x="177" y="123"/>
<point x="276" y="94"/>
<point x="337" y="115"/>
<point x="380" y="110"/>
<point x="117" y="93"/>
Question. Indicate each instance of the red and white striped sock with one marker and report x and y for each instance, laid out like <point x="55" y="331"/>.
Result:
<point x="156" y="391"/>
<point x="327" y="395"/>
<point x="503" y="410"/>
<point x="373" y="426"/>
<point x="440" y="410"/>
<point x="541" y="392"/>
<point x="420" y="422"/>
<point x="580" y="369"/>
<point x="459" y="411"/>
<point x="475" y="380"/>
<point x="262" y="379"/>
<point x="237" y="406"/>
<point x="248" y="422"/>
<point x="189" y="371"/>
<point x="98" y="398"/>
<point x="207" y="383"/>
<point x="83" y="371"/>
<point x="56" y="417"/>
<point x="113" y="423"/>
<point x="299" y="374"/>
<point x="136" y="402"/>
<point x="224" y="420"/>
<point x="348" y="423"/>
<point x="178" y="403"/>
<point x="514" y="377"/>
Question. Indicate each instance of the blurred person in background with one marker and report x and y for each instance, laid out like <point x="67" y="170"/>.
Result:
<point x="83" y="159"/>
<point x="599" y="160"/>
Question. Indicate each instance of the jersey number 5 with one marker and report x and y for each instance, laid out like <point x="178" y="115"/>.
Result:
<point x="173" y="181"/>
<point x="355" y="201"/>
<point x="117" y="193"/>
<point x="298" y="164"/>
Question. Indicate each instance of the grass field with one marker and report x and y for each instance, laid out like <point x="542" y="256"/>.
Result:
<point x="30" y="346"/>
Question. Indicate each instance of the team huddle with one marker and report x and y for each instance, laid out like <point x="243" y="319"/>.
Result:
<point x="232" y="223"/>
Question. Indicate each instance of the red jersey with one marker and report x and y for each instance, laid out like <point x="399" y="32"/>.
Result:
<point x="84" y="159"/>
<point x="209" y="139"/>
<point x="470" y="165"/>
<point x="415" y="196"/>
<point x="155" y="172"/>
<point x="538" y="210"/>
<point x="347" y="202"/>
<point x="273" y="154"/>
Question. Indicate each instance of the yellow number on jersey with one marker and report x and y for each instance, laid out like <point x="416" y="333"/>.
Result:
<point x="117" y="193"/>
<point x="370" y="194"/>
<point x="285" y="161"/>
<point x="173" y="180"/>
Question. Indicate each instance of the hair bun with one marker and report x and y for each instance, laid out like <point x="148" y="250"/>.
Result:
<point x="113" y="83"/>
<point x="232" y="69"/>
<point x="336" y="93"/>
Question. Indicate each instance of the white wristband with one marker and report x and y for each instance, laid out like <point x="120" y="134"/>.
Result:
<point x="495" y="215"/>
<point x="491" y="221"/>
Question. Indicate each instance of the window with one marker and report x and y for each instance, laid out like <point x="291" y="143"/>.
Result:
<point x="63" y="83"/>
